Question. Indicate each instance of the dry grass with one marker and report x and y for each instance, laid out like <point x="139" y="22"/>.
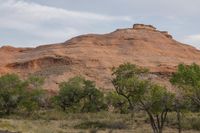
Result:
<point x="104" y="122"/>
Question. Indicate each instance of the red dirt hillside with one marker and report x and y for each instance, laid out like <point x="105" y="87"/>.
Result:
<point x="94" y="55"/>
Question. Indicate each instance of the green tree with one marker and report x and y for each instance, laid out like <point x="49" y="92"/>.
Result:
<point x="187" y="78"/>
<point x="70" y="93"/>
<point x="93" y="99"/>
<point x="141" y="94"/>
<point x="126" y="78"/>
<point x="156" y="102"/>
<point x="37" y="92"/>
<point x="20" y="95"/>
<point x="31" y="100"/>
<point x="33" y="96"/>
<point x="80" y="95"/>
<point x="10" y="92"/>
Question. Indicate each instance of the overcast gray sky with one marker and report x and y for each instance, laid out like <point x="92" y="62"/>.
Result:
<point x="25" y="23"/>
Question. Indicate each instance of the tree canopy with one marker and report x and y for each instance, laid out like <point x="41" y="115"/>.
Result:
<point x="142" y="94"/>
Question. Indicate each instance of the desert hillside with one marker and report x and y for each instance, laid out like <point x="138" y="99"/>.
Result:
<point x="93" y="56"/>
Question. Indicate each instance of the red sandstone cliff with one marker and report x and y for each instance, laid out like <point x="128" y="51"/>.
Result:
<point x="94" y="55"/>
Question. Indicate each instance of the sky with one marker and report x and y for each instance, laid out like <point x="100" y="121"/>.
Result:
<point x="29" y="23"/>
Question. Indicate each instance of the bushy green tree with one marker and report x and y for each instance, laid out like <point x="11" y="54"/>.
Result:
<point x="141" y="94"/>
<point x="126" y="81"/>
<point x="93" y="99"/>
<point x="187" y="78"/>
<point x="10" y="92"/>
<point x="37" y="92"/>
<point x="31" y="100"/>
<point x="79" y="95"/>
<point x="70" y="93"/>
<point x="20" y="95"/>
<point x="33" y="96"/>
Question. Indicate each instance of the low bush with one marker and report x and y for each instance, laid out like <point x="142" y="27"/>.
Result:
<point x="190" y="121"/>
<point x="102" y="125"/>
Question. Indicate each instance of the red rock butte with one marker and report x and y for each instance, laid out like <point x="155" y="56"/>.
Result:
<point x="94" y="55"/>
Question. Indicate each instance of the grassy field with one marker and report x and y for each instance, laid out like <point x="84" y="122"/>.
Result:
<point x="103" y="122"/>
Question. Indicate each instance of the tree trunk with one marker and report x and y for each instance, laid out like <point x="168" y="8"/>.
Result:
<point x="160" y="130"/>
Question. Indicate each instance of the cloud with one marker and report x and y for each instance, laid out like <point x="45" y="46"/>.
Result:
<point x="41" y="12"/>
<point x="48" y="23"/>
<point x="32" y="22"/>
<point x="193" y="39"/>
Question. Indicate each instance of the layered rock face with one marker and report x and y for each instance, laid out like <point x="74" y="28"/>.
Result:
<point x="93" y="56"/>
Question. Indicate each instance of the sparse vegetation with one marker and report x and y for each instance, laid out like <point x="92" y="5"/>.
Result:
<point x="102" y="125"/>
<point x="136" y="105"/>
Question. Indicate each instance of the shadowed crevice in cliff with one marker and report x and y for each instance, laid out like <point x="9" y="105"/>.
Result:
<point x="41" y="63"/>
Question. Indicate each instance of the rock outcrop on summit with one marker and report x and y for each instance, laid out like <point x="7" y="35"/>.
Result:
<point x="93" y="56"/>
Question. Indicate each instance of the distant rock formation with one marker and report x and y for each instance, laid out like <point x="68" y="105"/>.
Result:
<point x="94" y="55"/>
<point x="143" y="26"/>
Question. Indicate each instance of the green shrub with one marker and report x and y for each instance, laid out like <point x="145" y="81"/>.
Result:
<point x="70" y="94"/>
<point x="11" y="88"/>
<point x="190" y="121"/>
<point x="31" y="100"/>
<point x="79" y="95"/>
<point x="93" y="99"/>
<point x="20" y="95"/>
